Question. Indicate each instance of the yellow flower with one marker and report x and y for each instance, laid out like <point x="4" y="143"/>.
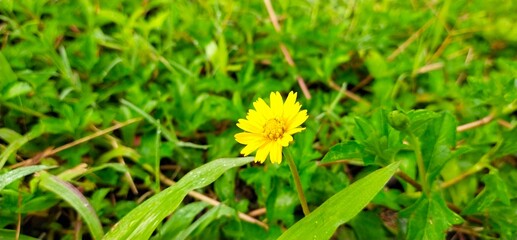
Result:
<point x="268" y="129"/>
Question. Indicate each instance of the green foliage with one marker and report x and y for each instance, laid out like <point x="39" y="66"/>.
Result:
<point x="429" y="218"/>
<point x="11" y="176"/>
<point x="73" y="197"/>
<point x="182" y="74"/>
<point x="157" y="208"/>
<point x="341" y="207"/>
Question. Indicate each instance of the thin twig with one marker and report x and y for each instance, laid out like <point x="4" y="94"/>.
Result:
<point x="283" y="48"/>
<point x="84" y="139"/>
<point x="504" y="123"/>
<point x="441" y="48"/>
<point x="347" y="93"/>
<point x="213" y="202"/>
<point x="430" y="67"/>
<point x="19" y="222"/>
<point x="467" y="231"/>
<point x="78" y="223"/>
<point x="257" y="212"/>
<point x="410" y="40"/>
<point x="32" y="161"/>
<point x="482" y="164"/>
<point x="475" y="124"/>
<point x="409" y="180"/>
<point x="97" y="134"/>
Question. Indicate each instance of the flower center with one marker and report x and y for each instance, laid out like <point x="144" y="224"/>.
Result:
<point x="274" y="129"/>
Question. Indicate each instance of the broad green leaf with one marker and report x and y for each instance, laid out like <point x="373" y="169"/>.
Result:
<point x="143" y="220"/>
<point x="419" y="119"/>
<point x="341" y="207"/>
<point x="429" y="218"/>
<point x="503" y="219"/>
<point x="72" y="196"/>
<point x="495" y="189"/>
<point x="437" y="142"/>
<point x="350" y="151"/>
<point x="13" y="175"/>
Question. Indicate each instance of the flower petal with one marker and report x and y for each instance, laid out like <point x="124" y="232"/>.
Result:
<point x="294" y="130"/>
<point x="263" y="109"/>
<point x="251" y="147"/>
<point x="249" y="126"/>
<point x="297" y="120"/>
<point x="277" y="104"/>
<point x="246" y="138"/>
<point x="276" y="153"/>
<point x="262" y="152"/>
<point x="291" y="107"/>
<point x="285" y="140"/>
<point x="256" y="117"/>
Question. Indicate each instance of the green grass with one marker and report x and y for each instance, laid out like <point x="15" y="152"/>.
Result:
<point x="170" y="79"/>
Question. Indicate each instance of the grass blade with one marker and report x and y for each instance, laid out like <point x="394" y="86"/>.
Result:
<point x="11" y="234"/>
<point x="73" y="197"/>
<point x="15" y="174"/>
<point x="143" y="220"/>
<point x="341" y="207"/>
<point x="18" y="143"/>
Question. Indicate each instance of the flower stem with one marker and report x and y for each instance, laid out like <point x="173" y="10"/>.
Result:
<point x="415" y="143"/>
<point x="289" y="156"/>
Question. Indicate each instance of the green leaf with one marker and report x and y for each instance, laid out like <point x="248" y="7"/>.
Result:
<point x="495" y="189"/>
<point x="367" y="225"/>
<point x="143" y="220"/>
<point x="429" y="218"/>
<point x="201" y="223"/>
<point x="13" y="175"/>
<point x="508" y="145"/>
<point x="437" y="142"/>
<point x="18" y="143"/>
<point x="9" y="135"/>
<point x="341" y="207"/>
<point x="419" y="119"/>
<point x="6" y="72"/>
<point x="121" y="151"/>
<point x="39" y="203"/>
<point x="377" y="65"/>
<point x="73" y="197"/>
<point x="11" y="234"/>
<point x="379" y="141"/>
<point x="350" y="151"/>
<point x="180" y="219"/>
<point x="170" y="135"/>
<point x="16" y="89"/>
